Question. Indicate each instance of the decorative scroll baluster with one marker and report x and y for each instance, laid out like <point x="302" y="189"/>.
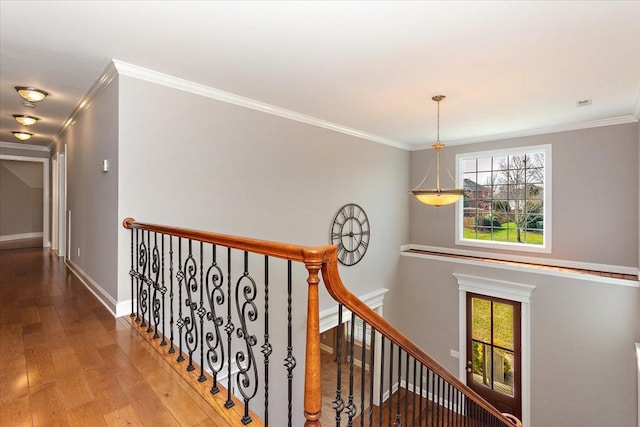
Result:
<point x="150" y="282"/>
<point x="201" y="313"/>
<point x="266" y="347"/>
<point x="155" y="269"/>
<point x="163" y="291"/>
<point x="180" y="276"/>
<point x="247" y="377"/>
<point x="338" y="403"/>
<point x="229" y="328"/>
<point x="171" y="319"/>
<point x="142" y="292"/>
<point x="215" y="295"/>
<point x="191" y="286"/>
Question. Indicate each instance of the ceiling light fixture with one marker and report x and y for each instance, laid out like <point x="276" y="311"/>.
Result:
<point x="31" y="94"/>
<point x="437" y="196"/>
<point x="22" y="136"/>
<point x="25" y="120"/>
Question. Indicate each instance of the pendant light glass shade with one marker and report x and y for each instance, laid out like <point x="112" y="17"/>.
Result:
<point x="437" y="196"/>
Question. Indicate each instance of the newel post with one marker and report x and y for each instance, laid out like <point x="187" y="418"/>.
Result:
<point x="312" y="378"/>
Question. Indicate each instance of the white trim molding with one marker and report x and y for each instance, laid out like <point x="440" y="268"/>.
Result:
<point x="20" y="236"/>
<point x="329" y="317"/>
<point x="152" y="76"/>
<point x="506" y="290"/>
<point x="19" y="146"/>
<point x="46" y="241"/>
<point x="631" y="118"/>
<point x="546" y="266"/>
<point x="116" y="308"/>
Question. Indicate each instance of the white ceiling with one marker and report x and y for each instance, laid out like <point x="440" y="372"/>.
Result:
<point x="507" y="68"/>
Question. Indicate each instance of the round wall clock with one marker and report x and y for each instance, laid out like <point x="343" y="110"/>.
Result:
<point x="350" y="233"/>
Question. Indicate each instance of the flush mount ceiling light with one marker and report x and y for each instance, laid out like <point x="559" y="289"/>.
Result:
<point x="25" y="120"/>
<point x="437" y="196"/>
<point x="31" y="94"/>
<point x="22" y="136"/>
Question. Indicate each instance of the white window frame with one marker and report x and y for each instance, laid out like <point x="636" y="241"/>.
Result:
<point x="522" y="247"/>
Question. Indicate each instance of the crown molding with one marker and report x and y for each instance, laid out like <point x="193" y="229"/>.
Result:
<point x="19" y="146"/>
<point x="540" y="131"/>
<point x="96" y="89"/>
<point x="151" y="76"/>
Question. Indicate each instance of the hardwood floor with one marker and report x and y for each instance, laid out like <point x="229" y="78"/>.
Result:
<point x="65" y="361"/>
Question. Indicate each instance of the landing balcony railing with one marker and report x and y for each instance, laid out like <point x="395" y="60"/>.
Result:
<point x="228" y="314"/>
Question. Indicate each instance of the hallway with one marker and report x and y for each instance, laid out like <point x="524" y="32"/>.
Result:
<point x="65" y="360"/>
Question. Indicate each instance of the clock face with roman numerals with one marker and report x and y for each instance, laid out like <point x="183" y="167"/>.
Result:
<point x="350" y="233"/>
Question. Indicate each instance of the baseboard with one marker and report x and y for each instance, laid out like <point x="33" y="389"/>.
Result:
<point x="20" y="236"/>
<point x="97" y="290"/>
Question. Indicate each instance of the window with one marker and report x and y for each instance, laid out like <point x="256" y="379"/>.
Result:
<point x="507" y="199"/>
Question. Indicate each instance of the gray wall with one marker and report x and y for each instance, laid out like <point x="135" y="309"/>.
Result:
<point x="200" y="163"/>
<point x="92" y="196"/>
<point x="582" y="358"/>
<point x="20" y="201"/>
<point x="595" y="194"/>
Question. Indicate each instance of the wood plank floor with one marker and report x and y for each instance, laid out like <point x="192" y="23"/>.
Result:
<point x="65" y="361"/>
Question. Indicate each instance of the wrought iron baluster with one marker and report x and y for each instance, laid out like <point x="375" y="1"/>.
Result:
<point x="229" y="328"/>
<point x="381" y="391"/>
<point x="363" y="359"/>
<point x="398" y="423"/>
<point x="415" y="388"/>
<point x="372" y="373"/>
<point x="142" y="292"/>
<point x="351" y="408"/>
<point x="390" y="406"/>
<point x="150" y="281"/>
<point x="180" y="276"/>
<point x="201" y="313"/>
<point x="266" y="347"/>
<point x="155" y="269"/>
<point x="191" y="287"/>
<point x="163" y="291"/>
<point x="290" y="361"/>
<point x="215" y="295"/>
<point x="338" y="403"/>
<point x="247" y="376"/>
<point x="132" y="274"/>
<point x="171" y="319"/>
<point x="421" y="395"/>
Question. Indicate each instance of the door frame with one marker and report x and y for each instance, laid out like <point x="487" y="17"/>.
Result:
<point x="512" y="291"/>
<point x="490" y="394"/>
<point x="45" y="192"/>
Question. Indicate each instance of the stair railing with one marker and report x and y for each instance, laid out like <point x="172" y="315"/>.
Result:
<point x="196" y="297"/>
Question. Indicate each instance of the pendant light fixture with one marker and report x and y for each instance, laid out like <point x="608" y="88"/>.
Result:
<point x="25" y="120"/>
<point x="22" y="136"/>
<point x="437" y="196"/>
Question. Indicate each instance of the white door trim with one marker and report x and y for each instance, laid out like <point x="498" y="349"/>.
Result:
<point x="506" y="290"/>
<point x="45" y="192"/>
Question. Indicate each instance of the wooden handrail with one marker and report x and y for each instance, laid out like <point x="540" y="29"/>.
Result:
<point x="324" y="259"/>
<point x="341" y="294"/>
